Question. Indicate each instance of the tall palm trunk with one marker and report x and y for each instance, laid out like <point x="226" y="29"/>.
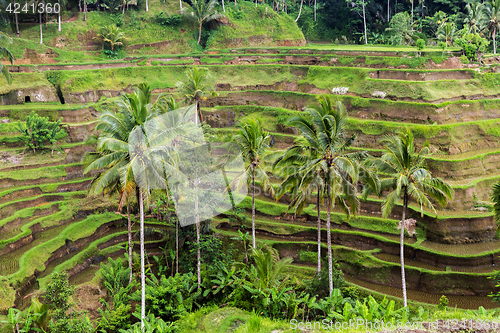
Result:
<point x="129" y="227"/>
<point x="59" y="16"/>
<point x="180" y="4"/>
<point x="412" y="11"/>
<point x="41" y="33"/>
<point x="143" y="275"/>
<point x="319" y="235"/>
<point x="17" y="22"/>
<point x="197" y="220"/>
<point x="314" y="10"/>
<point x="388" y="6"/>
<point x="494" y="43"/>
<point x="147" y="9"/>
<point x="199" y="34"/>
<point x="401" y="245"/>
<point x="300" y="10"/>
<point x="364" y="22"/>
<point x="253" y="206"/>
<point x="329" y="241"/>
<point x="85" y="10"/>
<point x="223" y="8"/>
<point x="176" y="247"/>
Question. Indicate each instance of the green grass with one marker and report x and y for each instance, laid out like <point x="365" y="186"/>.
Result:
<point x="34" y="258"/>
<point x="56" y="171"/>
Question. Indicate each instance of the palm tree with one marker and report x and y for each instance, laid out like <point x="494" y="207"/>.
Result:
<point x="202" y="11"/>
<point x="407" y="177"/>
<point x="111" y="35"/>
<point x="447" y="33"/>
<point x="325" y="139"/>
<point x="196" y="87"/>
<point x="253" y="142"/>
<point x="492" y="14"/>
<point x="475" y="16"/>
<point x="113" y="154"/>
<point x="301" y="188"/>
<point x="5" y="53"/>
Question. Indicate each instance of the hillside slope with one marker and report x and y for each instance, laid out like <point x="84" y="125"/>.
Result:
<point x="244" y="25"/>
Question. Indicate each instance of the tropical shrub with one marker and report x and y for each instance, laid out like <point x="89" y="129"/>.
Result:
<point x="36" y="131"/>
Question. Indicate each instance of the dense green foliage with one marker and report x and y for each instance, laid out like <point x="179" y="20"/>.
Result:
<point x="36" y="131"/>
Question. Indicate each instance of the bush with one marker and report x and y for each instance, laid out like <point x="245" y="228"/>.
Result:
<point x="443" y="302"/>
<point x="168" y="20"/>
<point x="36" y="131"/>
<point x="65" y="320"/>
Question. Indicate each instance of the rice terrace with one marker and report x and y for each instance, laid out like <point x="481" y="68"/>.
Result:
<point x="249" y="166"/>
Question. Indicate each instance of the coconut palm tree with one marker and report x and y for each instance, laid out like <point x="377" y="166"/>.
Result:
<point x="196" y="87"/>
<point x="111" y="35"/>
<point x="492" y="14"/>
<point x="408" y="178"/>
<point x="302" y="189"/>
<point x="113" y="155"/>
<point x="475" y="16"/>
<point x="325" y="137"/>
<point x="203" y="11"/>
<point x="5" y="53"/>
<point x="253" y="142"/>
<point x="447" y="33"/>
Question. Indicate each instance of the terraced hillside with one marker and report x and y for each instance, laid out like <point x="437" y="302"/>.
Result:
<point x="47" y="221"/>
<point x="44" y="209"/>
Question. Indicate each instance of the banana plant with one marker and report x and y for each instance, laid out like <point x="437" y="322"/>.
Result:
<point x="41" y="313"/>
<point x="14" y="318"/>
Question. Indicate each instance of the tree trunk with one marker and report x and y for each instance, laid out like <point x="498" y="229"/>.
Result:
<point x="41" y="33"/>
<point x="255" y="3"/>
<point x="180" y="4"/>
<point x="199" y="34"/>
<point x="17" y="24"/>
<point x="388" y="6"/>
<point x="143" y="275"/>
<point x="494" y="43"/>
<point x="80" y="5"/>
<point x="319" y="234"/>
<point x="235" y="2"/>
<point x="197" y="220"/>
<point x="412" y="11"/>
<point x="253" y="206"/>
<point x="300" y="10"/>
<point x="401" y="245"/>
<point x="129" y="227"/>
<point x="176" y="247"/>
<point x="147" y="6"/>
<point x="59" y="15"/>
<point x="223" y="8"/>
<point x="314" y="10"/>
<point x="198" y="109"/>
<point x="329" y="241"/>
<point x="364" y="22"/>
<point x="123" y="5"/>
<point x="85" y="10"/>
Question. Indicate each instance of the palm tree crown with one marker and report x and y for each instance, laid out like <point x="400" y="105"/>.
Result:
<point x="196" y="87"/>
